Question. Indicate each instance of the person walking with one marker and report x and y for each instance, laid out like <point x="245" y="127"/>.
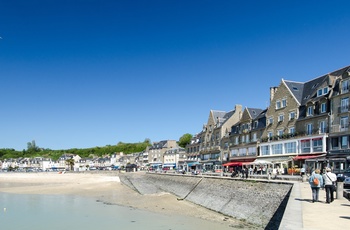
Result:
<point x="316" y="182"/>
<point x="329" y="178"/>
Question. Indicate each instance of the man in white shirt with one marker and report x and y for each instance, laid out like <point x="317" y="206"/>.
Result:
<point x="329" y="178"/>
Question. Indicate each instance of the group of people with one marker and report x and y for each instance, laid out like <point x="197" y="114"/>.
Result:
<point x="326" y="181"/>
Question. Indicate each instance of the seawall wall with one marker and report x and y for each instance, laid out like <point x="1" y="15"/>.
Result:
<point x="261" y="203"/>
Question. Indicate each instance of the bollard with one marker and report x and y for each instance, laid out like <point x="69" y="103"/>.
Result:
<point x="339" y="190"/>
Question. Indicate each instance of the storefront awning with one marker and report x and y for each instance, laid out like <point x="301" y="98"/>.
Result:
<point x="233" y="164"/>
<point x="303" y="157"/>
<point x="193" y="163"/>
<point x="259" y="162"/>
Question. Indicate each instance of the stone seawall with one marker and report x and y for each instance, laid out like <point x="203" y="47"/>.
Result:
<point x="261" y="203"/>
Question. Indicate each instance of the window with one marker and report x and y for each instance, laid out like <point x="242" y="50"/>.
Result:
<point x="280" y="132"/>
<point x="292" y="115"/>
<point x="344" y="123"/>
<point x="317" y="145"/>
<point x="284" y="103"/>
<point x="344" y="105"/>
<point x="270" y="120"/>
<point x="344" y="142"/>
<point x="252" y="151"/>
<point x="335" y="143"/>
<point x="236" y="140"/>
<point x="309" y="129"/>
<point x="291" y="130"/>
<point x="256" y="123"/>
<point x="325" y="90"/>
<point x="243" y="152"/>
<point x="345" y="86"/>
<point x="323" y="107"/>
<point x="305" y="146"/>
<point x="254" y="137"/>
<point x="278" y="104"/>
<point x="276" y="149"/>
<point x="247" y="138"/>
<point x="309" y="111"/>
<point x="269" y="135"/>
<point x="322" y="91"/>
<point x="322" y="127"/>
<point x="242" y="139"/>
<point x="280" y="118"/>
<point x="265" y="150"/>
<point x="290" y="147"/>
<point x="234" y="152"/>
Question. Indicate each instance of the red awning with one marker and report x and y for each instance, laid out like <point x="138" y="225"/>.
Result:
<point x="233" y="164"/>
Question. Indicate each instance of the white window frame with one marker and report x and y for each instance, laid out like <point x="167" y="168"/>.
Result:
<point x="278" y="104"/>
<point x="280" y="118"/>
<point x="291" y="130"/>
<point x="284" y="103"/>
<point x="322" y="127"/>
<point x="292" y="115"/>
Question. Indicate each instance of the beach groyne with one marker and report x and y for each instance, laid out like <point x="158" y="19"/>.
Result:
<point x="261" y="203"/>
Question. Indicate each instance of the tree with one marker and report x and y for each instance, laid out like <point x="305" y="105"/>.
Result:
<point x="185" y="140"/>
<point x="70" y="163"/>
<point x="31" y="147"/>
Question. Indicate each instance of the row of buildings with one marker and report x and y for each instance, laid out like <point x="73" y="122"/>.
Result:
<point x="305" y="125"/>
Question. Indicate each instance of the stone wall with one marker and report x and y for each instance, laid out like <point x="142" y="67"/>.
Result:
<point x="261" y="203"/>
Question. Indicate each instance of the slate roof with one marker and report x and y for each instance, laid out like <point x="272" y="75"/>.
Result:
<point x="304" y="92"/>
<point x="254" y="113"/>
<point x="222" y="116"/>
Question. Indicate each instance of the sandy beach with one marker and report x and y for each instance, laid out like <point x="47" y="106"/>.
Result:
<point x="106" y="187"/>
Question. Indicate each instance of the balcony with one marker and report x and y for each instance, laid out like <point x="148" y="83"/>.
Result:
<point x="339" y="128"/>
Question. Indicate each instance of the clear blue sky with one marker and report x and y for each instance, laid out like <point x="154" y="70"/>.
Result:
<point x="87" y="73"/>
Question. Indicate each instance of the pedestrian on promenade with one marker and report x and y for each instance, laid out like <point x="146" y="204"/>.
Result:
<point x="329" y="179"/>
<point x="246" y="172"/>
<point x="316" y="182"/>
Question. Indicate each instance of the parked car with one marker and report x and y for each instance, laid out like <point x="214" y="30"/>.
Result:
<point x="347" y="182"/>
<point x="343" y="175"/>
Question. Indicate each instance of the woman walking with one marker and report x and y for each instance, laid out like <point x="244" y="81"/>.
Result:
<point x="316" y="182"/>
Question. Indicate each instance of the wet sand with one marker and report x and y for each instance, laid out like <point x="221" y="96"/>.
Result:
<point x="106" y="187"/>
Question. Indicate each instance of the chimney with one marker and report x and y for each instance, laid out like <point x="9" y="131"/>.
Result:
<point x="272" y="92"/>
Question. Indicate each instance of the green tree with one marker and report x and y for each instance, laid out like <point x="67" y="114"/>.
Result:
<point x="185" y="140"/>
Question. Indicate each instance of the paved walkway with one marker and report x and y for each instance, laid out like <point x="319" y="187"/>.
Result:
<point x="301" y="213"/>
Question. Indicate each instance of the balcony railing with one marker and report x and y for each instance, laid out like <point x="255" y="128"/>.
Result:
<point x="339" y="128"/>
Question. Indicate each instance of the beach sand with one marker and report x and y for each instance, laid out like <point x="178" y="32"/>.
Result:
<point x="106" y="187"/>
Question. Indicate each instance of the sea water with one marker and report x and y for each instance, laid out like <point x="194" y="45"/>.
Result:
<point x="51" y="212"/>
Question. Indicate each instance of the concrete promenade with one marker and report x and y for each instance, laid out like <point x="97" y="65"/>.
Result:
<point x="301" y="213"/>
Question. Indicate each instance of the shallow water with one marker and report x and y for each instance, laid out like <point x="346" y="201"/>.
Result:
<point x="18" y="211"/>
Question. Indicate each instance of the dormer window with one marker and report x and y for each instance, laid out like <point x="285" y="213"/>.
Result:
<point x="322" y="91"/>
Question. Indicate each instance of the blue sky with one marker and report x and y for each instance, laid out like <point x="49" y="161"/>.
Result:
<point x="87" y="73"/>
